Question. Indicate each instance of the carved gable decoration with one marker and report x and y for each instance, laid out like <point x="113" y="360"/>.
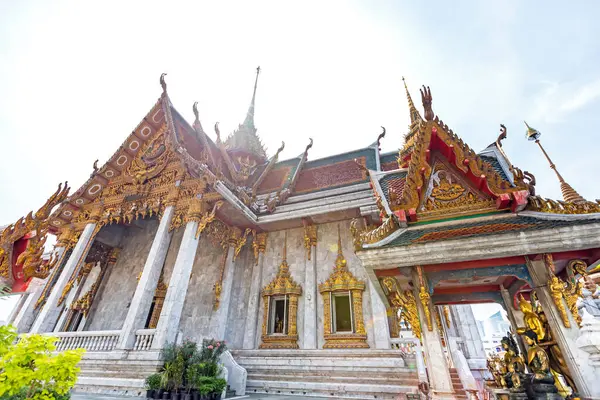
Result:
<point x="448" y="193"/>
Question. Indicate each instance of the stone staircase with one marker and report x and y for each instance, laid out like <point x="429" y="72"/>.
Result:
<point x="113" y="376"/>
<point x="459" y="390"/>
<point x="350" y="374"/>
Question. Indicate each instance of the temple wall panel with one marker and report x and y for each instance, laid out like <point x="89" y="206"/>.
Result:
<point x="118" y="286"/>
<point x="296" y="253"/>
<point x="198" y="305"/>
<point x="238" y="307"/>
<point x="327" y="235"/>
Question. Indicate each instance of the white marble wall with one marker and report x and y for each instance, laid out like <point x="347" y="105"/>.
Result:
<point x="198" y="307"/>
<point x="118" y="285"/>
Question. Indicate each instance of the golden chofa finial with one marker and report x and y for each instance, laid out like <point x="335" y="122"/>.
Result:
<point x="570" y="195"/>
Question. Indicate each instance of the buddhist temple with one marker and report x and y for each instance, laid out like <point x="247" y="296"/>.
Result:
<point x="349" y="276"/>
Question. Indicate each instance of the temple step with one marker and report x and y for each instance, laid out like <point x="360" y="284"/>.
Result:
<point x="352" y="374"/>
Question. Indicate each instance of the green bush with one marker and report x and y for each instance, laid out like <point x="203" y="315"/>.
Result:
<point x="30" y="369"/>
<point x="219" y="385"/>
<point x="153" y="382"/>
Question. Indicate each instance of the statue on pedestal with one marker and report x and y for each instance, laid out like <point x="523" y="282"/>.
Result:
<point x="515" y="366"/>
<point x="541" y="385"/>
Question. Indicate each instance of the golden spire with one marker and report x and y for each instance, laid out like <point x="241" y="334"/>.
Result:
<point x="283" y="267"/>
<point x="570" y="195"/>
<point x="415" y="116"/>
<point x="340" y="261"/>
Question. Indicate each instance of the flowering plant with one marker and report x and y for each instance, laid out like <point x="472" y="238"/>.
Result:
<point x="212" y="350"/>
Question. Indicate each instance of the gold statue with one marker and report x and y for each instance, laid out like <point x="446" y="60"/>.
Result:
<point x="531" y="319"/>
<point x="537" y="359"/>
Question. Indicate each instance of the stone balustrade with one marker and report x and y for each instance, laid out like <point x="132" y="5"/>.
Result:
<point x="88" y="340"/>
<point x="144" y="339"/>
<point x="407" y="345"/>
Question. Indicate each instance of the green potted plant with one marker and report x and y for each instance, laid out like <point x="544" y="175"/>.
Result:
<point x="192" y="375"/>
<point x="166" y="380"/>
<point x="219" y="384"/>
<point x="152" y="385"/>
<point x="177" y="371"/>
<point x="205" y="391"/>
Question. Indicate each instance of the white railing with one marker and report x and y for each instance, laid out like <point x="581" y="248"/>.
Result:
<point x="88" y="340"/>
<point x="412" y="346"/>
<point x="407" y="345"/>
<point x="143" y="339"/>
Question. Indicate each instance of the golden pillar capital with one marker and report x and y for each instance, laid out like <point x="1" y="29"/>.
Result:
<point x="172" y="196"/>
<point x="310" y="238"/>
<point x="259" y="244"/>
<point x="196" y="208"/>
<point x="95" y="213"/>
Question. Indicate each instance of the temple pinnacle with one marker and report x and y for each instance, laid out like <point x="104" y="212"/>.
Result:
<point x="249" y="121"/>
<point x="415" y="117"/>
<point x="570" y="195"/>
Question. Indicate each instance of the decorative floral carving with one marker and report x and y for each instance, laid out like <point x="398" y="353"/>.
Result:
<point x="310" y="238"/>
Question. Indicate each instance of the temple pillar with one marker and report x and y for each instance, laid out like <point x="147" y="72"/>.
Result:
<point x="218" y="321"/>
<point x="259" y="245"/>
<point x="49" y="314"/>
<point x="515" y="317"/>
<point x="577" y="360"/>
<point x="310" y="331"/>
<point x="466" y="327"/>
<point x="380" y="319"/>
<point x="439" y="375"/>
<point x="146" y="287"/>
<point x="170" y="315"/>
<point x="18" y="307"/>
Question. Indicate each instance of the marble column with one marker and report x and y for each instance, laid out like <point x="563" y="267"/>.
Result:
<point x="71" y="297"/>
<point x="146" y="287"/>
<point x="218" y="321"/>
<point x="576" y="359"/>
<point x="515" y="317"/>
<point x="310" y="331"/>
<point x="466" y="327"/>
<point x="170" y="315"/>
<point x="254" y="297"/>
<point x="49" y="314"/>
<point x="440" y="382"/>
<point x="380" y="319"/>
<point x="18" y="307"/>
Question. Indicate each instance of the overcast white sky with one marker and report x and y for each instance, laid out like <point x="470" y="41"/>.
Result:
<point x="76" y="77"/>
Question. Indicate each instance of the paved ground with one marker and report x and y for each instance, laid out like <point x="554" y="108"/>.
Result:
<point x="85" y="396"/>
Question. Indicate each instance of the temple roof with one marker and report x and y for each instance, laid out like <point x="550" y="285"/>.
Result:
<point x="479" y="227"/>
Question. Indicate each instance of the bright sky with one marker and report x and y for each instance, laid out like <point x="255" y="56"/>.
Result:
<point x="77" y="77"/>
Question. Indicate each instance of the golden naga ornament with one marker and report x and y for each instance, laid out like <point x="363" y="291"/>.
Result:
<point x="283" y="336"/>
<point x="342" y="280"/>
<point x="403" y="301"/>
<point x="31" y="259"/>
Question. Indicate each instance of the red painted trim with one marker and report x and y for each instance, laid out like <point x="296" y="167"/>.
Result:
<point x="380" y="273"/>
<point x="466" y="289"/>
<point x="493" y="262"/>
<point x="463" y="302"/>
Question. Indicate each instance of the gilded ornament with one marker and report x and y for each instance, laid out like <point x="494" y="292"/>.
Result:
<point x="172" y="196"/>
<point x="447" y="316"/>
<point x="240" y="243"/>
<point x="282" y="285"/>
<point x="38" y="223"/>
<point x="207" y="218"/>
<point x="425" y="302"/>
<point x="259" y="244"/>
<point x="369" y="235"/>
<point x="310" y="239"/>
<point x="342" y="280"/>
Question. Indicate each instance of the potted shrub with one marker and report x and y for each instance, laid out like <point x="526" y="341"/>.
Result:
<point x="177" y="371"/>
<point x="219" y="384"/>
<point x="205" y="391"/>
<point x="152" y="385"/>
<point x="166" y="381"/>
<point x="193" y="373"/>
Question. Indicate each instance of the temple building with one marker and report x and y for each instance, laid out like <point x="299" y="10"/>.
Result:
<point x="347" y="276"/>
